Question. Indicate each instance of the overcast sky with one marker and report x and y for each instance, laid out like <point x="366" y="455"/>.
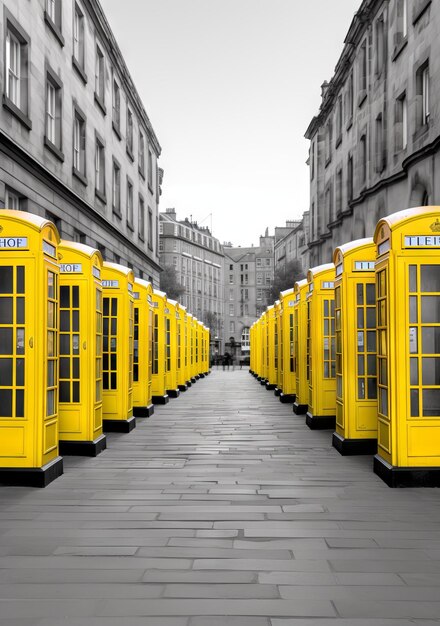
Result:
<point x="230" y="87"/>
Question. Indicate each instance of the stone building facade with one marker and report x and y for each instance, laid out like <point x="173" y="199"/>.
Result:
<point x="374" y="145"/>
<point x="76" y="144"/>
<point x="197" y="257"/>
<point x="291" y="243"/>
<point x="248" y="279"/>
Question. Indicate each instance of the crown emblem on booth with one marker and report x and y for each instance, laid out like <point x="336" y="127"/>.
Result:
<point x="436" y="226"/>
<point x="1" y="228"/>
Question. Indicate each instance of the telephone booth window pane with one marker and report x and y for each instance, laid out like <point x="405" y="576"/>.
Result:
<point x="64" y="391"/>
<point x="371" y="317"/>
<point x="6" y="371"/>
<point x="64" y="344"/>
<point x="19" y="372"/>
<point x="361" y="365"/>
<point x="360" y="293"/>
<point x="414" y="371"/>
<point x="360" y="318"/>
<point x="64" y="297"/>
<point x="6" y="310"/>
<point x="51" y="374"/>
<point x="361" y="389"/>
<point x="430" y="371"/>
<point x="75" y="297"/>
<point x="371" y="341"/>
<point x="430" y="309"/>
<point x="64" y="367"/>
<point x="20" y="310"/>
<point x="431" y="402"/>
<point x="413" y="278"/>
<point x="75" y="368"/>
<point x="19" y="402"/>
<point x="371" y="365"/>
<point x="114" y="306"/>
<point x="430" y="278"/>
<point x="6" y="402"/>
<point x="372" y="388"/>
<point x="371" y="294"/>
<point x="64" y="321"/>
<point x="414" y="395"/>
<point x="20" y="280"/>
<point x="413" y="318"/>
<point x="6" y="279"/>
<point x="75" y="321"/>
<point x="75" y="397"/>
<point x="75" y="344"/>
<point x="6" y="340"/>
<point x="110" y="343"/>
<point x="383" y="402"/>
<point x="431" y="340"/>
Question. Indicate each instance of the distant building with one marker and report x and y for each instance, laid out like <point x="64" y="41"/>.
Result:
<point x="291" y="243"/>
<point x="197" y="258"/>
<point x="374" y="145"/>
<point x="76" y="144"/>
<point x="248" y="279"/>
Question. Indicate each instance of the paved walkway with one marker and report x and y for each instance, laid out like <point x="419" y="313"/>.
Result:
<point x="221" y="509"/>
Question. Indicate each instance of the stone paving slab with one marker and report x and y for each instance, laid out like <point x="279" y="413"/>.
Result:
<point x="222" y="509"/>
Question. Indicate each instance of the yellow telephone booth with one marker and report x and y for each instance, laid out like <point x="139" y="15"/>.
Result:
<point x="355" y="327"/>
<point x="192" y="338"/>
<point x="265" y="348"/>
<point x="182" y="322"/>
<point x="287" y="300"/>
<point x="300" y="348"/>
<point x="117" y="351"/>
<point x="80" y="337"/>
<point x="201" y="334"/>
<point x="207" y="335"/>
<point x="29" y="275"/>
<point x="143" y="348"/>
<point x="252" y="349"/>
<point x="408" y="347"/>
<point x="272" y="363"/>
<point x="278" y="355"/>
<point x="258" y="349"/>
<point x="320" y="347"/>
<point x="171" y="349"/>
<point x="160" y="396"/>
<point x="188" y="348"/>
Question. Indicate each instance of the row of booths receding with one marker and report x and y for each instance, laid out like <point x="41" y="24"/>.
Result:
<point x="85" y="348"/>
<point x="356" y="347"/>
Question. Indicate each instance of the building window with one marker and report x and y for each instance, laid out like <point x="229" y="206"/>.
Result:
<point x="78" y="236"/>
<point x="350" y="179"/>
<point x="79" y="144"/>
<point x="339" y="121"/>
<point x="150" y="174"/>
<point x="129" y="204"/>
<point x="231" y="309"/>
<point x="141" y="218"/>
<point x="99" y="76"/>
<point x="116" y="188"/>
<point x="231" y="267"/>
<point x="349" y="101"/>
<point x="259" y="264"/>
<point x="53" y="137"/>
<point x="401" y="123"/>
<point x="338" y="191"/>
<point x="116" y="118"/>
<point x="259" y="279"/>
<point x="150" y="229"/>
<point x="232" y="326"/>
<point x="130" y="133"/>
<point x="100" y="168"/>
<point x="231" y="279"/>
<point x="160" y="245"/>
<point x="379" y="144"/>
<point x="328" y="205"/>
<point x="401" y="34"/>
<point x="362" y="69"/>
<point x="14" y="200"/>
<point x="380" y="44"/>
<point x="141" y="155"/>
<point x="52" y="16"/>
<point x="55" y="220"/>
<point x="328" y="141"/>
<point x="16" y="71"/>
<point x="312" y="160"/>
<point x="102" y="250"/>
<point x="363" y="160"/>
<point x="422" y="87"/>
<point x="79" y="41"/>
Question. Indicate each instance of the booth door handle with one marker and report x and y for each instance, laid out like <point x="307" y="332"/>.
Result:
<point x="31" y="342"/>
<point x="84" y="345"/>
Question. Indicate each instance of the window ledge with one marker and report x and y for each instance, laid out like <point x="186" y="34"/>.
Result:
<point x="101" y="196"/>
<point x="130" y="153"/>
<point x="328" y="161"/>
<point x="18" y="113"/>
<point x="150" y="247"/>
<point x="117" y="212"/>
<point x="399" y="48"/>
<point x="100" y="102"/>
<point x="53" y="148"/>
<point x="362" y="97"/>
<point x="141" y="238"/>
<point x="117" y="130"/>
<point x="141" y="173"/>
<point x="418" y="12"/>
<point x="54" y="28"/>
<point x="338" y="141"/>
<point x="130" y="226"/>
<point x="150" y="188"/>
<point x="81" y="73"/>
<point x="349" y="124"/>
<point x="82" y="179"/>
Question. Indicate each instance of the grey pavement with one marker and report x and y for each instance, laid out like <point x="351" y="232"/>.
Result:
<point x="221" y="509"/>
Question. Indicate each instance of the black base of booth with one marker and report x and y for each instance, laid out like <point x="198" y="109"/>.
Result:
<point x="406" y="476"/>
<point x="83" y="448"/>
<point x="351" y="447"/>
<point x="202" y="375"/>
<point x="188" y="383"/>
<point x="183" y="387"/>
<point x="287" y="398"/>
<point x="270" y="386"/>
<point x="119" y="426"/>
<point x="194" y="379"/>
<point x="299" y="409"/>
<point x="143" y="411"/>
<point x="263" y="381"/>
<point x="173" y="393"/>
<point x="160" y="399"/>
<point x="32" y="476"/>
<point x="277" y="391"/>
<point x="320" y="422"/>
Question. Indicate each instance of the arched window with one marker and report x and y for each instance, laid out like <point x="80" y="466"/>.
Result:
<point x="245" y="339"/>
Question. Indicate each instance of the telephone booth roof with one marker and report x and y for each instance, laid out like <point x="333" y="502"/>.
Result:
<point x="352" y="246"/>
<point x="122" y="269"/>
<point x="81" y="248"/>
<point x="319" y="269"/>
<point x="144" y="283"/>
<point x="395" y="220"/>
<point x="161" y="294"/>
<point x="300" y="283"/>
<point x="33" y="221"/>
<point x="287" y="292"/>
